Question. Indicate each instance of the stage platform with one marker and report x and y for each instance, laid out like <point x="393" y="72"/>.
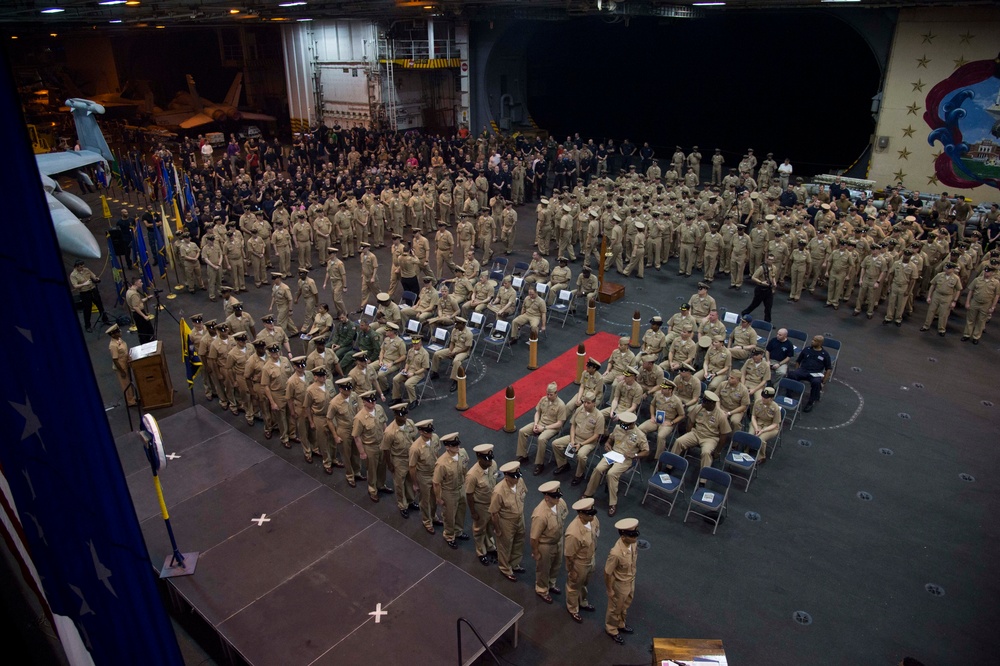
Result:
<point x="292" y="572"/>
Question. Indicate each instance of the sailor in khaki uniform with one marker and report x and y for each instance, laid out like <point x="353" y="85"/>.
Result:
<point x="665" y="411"/>
<point x="449" y="487"/>
<point x="547" y="525"/>
<point x="942" y="297"/>
<point x="396" y="442"/>
<point x="340" y="418"/>
<point x="424" y="454"/>
<point x="708" y="428"/>
<point x="585" y="429"/>
<point x="315" y="407"/>
<point x="367" y="432"/>
<point x="580" y="551"/>
<point x="119" y="361"/>
<point x="480" y="481"/>
<point x="416" y="366"/>
<point x="507" y="514"/>
<point x="458" y="349"/>
<point x="550" y="413"/>
<point x="765" y="420"/>
<point x="619" y="578"/>
<point x="628" y="444"/>
<point x="532" y="313"/>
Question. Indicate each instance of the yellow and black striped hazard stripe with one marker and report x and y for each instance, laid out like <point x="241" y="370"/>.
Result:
<point x="434" y="63"/>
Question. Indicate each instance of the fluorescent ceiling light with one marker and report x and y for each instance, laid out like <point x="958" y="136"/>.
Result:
<point x="301" y="20"/>
<point x="53" y="10"/>
<point x="115" y="21"/>
<point x="840" y="0"/>
<point x="708" y="4"/>
<point x="298" y="3"/>
<point x="108" y="3"/>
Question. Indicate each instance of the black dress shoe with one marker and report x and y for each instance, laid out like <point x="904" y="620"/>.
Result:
<point x="452" y="544"/>
<point x="588" y="608"/>
<point x="484" y="560"/>
<point x="360" y="477"/>
<point x="577" y="480"/>
<point x="626" y="629"/>
<point x="435" y="375"/>
<point x="964" y="338"/>
<point x="808" y="407"/>
<point x="617" y="638"/>
<point x="413" y="506"/>
<point x="437" y="522"/>
<point x="453" y="387"/>
<point x="975" y="341"/>
<point x="404" y="513"/>
<point x="493" y="556"/>
<point x="518" y="569"/>
<point x="561" y="469"/>
<point x="555" y="590"/>
<point x="538" y="469"/>
<point x="413" y="405"/>
<point x="522" y="459"/>
<point x="463" y="537"/>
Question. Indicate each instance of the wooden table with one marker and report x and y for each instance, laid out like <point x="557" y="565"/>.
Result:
<point x="685" y="649"/>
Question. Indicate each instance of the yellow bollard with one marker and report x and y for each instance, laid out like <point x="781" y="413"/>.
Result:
<point x="533" y="351"/>
<point x="634" y="342"/>
<point x="509" y="425"/>
<point x="581" y="361"/>
<point x="462" y="404"/>
<point x="591" y="316"/>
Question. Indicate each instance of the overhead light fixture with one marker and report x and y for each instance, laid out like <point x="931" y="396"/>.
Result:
<point x="708" y="4"/>
<point x="53" y="34"/>
<point x="160" y="27"/>
<point x="234" y="11"/>
<point x="115" y="21"/>
<point x="53" y="10"/>
<point x="297" y="3"/>
<point x="108" y="3"/>
<point x="840" y="0"/>
<point x="13" y="36"/>
<point x="132" y="3"/>
<point x="301" y="20"/>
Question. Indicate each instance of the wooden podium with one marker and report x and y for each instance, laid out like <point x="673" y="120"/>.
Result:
<point x="611" y="292"/>
<point x="687" y="649"/>
<point x="151" y="375"/>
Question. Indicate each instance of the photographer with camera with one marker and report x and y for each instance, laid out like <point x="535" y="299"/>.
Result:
<point x="84" y="282"/>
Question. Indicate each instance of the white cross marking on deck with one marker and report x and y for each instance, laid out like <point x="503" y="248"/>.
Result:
<point x="378" y="613"/>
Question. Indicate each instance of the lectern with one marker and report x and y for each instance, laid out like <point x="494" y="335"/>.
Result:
<point x="151" y="375"/>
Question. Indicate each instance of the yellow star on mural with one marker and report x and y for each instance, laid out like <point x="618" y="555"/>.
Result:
<point x="928" y="37"/>
<point x="922" y="62"/>
<point x="918" y="85"/>
<point x="898" y="176"/>
<point x="932" y="180"/>
<point x="908" y="131"/>
<point x="912" y="109"/>
<point x="904" y="154"/>
<point x="960" y="61"/>
<point x="966" y="38"/>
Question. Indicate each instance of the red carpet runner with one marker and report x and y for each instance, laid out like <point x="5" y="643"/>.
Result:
<point x="529" y="389"/>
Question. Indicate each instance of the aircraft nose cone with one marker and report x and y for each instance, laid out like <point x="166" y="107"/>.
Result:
<point x="77" y="240"/>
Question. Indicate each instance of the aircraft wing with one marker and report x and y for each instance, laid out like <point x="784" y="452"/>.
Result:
<point x="172" y="117"/>
<point x="245" y="115"/>
<point x="50" y="164"/>
<point x="196" y="120"/>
